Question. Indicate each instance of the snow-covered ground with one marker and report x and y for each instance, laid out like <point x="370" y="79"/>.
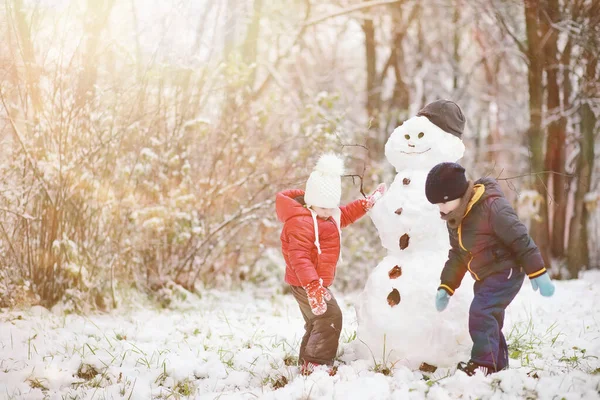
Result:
<point x="243" y="345"/>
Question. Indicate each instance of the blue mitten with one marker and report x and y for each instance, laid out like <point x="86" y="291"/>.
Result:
<point x="544" y="283"/>
<point x="441" y="300"/>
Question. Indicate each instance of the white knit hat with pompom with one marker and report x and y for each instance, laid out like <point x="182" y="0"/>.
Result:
<point x="324" y="185"/>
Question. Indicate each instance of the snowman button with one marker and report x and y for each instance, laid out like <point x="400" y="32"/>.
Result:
<point x="394" y="298"/>
<point x="404" y="240"/>
<point x="395" y="272"/>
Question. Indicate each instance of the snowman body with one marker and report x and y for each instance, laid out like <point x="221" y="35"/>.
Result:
<point x="397" y="318"/>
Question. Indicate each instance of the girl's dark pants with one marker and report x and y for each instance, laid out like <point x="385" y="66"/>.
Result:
<point x="486" y="317"/>
<point x="322" y="332"/>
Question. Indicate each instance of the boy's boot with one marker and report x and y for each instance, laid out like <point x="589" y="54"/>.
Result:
<point x="471" y="367"/>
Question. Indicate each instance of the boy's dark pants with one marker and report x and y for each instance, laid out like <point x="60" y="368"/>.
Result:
<point x="486" y="317"/>
<point x="320" y="341"/>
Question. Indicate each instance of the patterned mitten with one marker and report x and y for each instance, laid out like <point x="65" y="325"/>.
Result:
<point x="317" y="296"/>
<point x="370" y="201"/>
<point x="544" y="283"/>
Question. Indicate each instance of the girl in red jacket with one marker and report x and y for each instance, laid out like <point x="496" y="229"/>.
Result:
<point x="311" y="247"/>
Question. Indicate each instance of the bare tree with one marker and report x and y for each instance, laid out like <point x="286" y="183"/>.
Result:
<point x="250" y="51"/>
<point x="27" y="54"/>
<point x="589" y="40"/>
<point x="376" y="108"/>
<point x="556" y="146"/>
<point x="98" y="12"/>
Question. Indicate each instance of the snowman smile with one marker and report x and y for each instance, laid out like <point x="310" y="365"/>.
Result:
<point x="415" y="152"/>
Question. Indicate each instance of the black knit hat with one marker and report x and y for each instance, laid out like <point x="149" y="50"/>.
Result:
<point x="446" y="114"/>
<point x="445" y="182"/>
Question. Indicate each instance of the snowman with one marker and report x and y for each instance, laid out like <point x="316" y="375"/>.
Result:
<point x="397" y="318"/>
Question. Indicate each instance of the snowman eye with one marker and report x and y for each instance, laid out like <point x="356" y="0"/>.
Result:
<point x="407" y="137"/>
<point x="421" y="134"/>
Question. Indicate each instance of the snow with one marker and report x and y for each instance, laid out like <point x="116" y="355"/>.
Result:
<point x="591" y="197"/>
<point x="234" y="345"/>
<point x="149" y="154"/>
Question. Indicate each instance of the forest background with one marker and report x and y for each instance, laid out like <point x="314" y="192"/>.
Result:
<point x="143" y="142"/>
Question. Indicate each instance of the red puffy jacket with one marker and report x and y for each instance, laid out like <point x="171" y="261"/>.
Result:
<point x="303" y="262"/>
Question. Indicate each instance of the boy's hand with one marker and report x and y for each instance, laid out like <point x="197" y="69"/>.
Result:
<point x="544" y="283"/>
<point x="317" y="295"/>
<point x="442" y="298"/>
<point x="370" y="201"/>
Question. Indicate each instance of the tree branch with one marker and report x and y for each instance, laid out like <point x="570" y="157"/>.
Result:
<point x="24" y="216"/>
<point x="354" y="182"/>
<point x="534" y="174"/>
<point x="537" y="175"/>
<point x="359" y="176"/>
<point x="506" y="29"/>
<point x="38" y="174"/>
<point x="269" y="76"/>
<point x="387" y="66"/>
<point x="358" y="7"/>
<point x="350" y="145"/>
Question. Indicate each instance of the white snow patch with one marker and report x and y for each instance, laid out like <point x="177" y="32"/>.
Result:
<point x="236" y="345"/>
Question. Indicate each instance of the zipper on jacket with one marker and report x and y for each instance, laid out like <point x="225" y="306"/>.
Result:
<point x="479" y="189"/>
<point x="469" y="267"/>
<point x="462" y="246"/>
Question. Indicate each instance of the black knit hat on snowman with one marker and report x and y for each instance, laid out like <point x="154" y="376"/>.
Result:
<point x="445" y="182"/>
<point x="445" y="114"/>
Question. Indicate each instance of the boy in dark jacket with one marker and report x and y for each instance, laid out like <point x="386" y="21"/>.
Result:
<point x="311" y="245"/>
<point x="488" y="240"/>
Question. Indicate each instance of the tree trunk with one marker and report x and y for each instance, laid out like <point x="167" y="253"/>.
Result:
<point x="578" y="254"/>
<point x="229" y="36"/>
<point x="401" y="97"/>
<point x="456" y="45"/>
<point x="28" y="56"/>
<point x="96" y="18"/>
<point x="200" y="31"/>
<point x="556" y="144"/>
<point x="491" y="68"/>
<point x="539" y="226"/>
<point x="376" y="148"/>
<point x="230" y="48"/>
<point x="139" y="62"/>
<point x="251" y="42"/>
<point x="138" y="45"/>
<point x="421" y="49"/>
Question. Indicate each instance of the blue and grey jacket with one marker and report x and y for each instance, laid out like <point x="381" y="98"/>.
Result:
<point x="489" y="238"/>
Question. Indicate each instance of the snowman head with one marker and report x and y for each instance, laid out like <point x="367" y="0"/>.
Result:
<point x="431" y="137"/>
